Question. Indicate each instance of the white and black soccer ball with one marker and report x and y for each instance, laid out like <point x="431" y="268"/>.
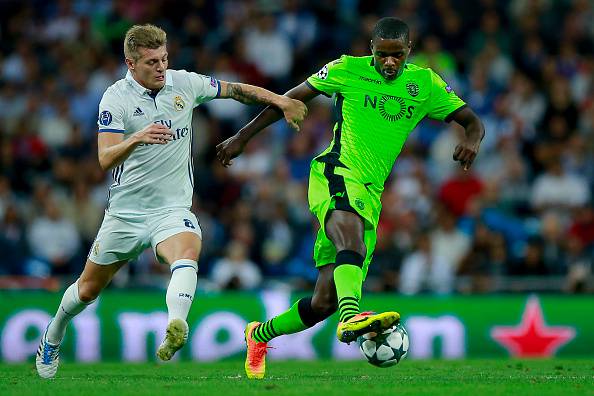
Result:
<point x="385" y="349"/>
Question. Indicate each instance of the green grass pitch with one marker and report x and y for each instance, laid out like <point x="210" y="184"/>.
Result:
<point x="433" y="377"/>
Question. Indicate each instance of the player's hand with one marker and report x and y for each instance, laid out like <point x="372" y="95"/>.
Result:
<point x="230" y="149"/>
<point x="294" y="111"/>
<point x="466" y="152"/>
<point x="154" y="134"/>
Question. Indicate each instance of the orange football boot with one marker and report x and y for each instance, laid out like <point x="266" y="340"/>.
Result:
<point x="255" y="360"/>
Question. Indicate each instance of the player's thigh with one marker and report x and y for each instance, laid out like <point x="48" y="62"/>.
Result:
<point x="324" y="252"/>
<point x="321" y="204"/>
<point x="346" y="230"/>
<point x="184" y="245"/>
<point x="119" y="239"/>
<point x="370" y="238"/>
<point x="95" y="277"/>
<point x="326" y="246"/>
<point x="176" y="236"/>
<point x="342" y="205"/>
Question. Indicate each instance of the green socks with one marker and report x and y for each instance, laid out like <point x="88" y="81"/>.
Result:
<point x="348" y="277"/>
<point x="288" y="322"/>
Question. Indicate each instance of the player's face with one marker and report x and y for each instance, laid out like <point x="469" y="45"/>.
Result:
<point x="150" y="69"/>
<point x="389" y="56"/>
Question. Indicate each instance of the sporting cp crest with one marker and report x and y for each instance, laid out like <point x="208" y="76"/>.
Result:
<point x="178" y="103"/>
<point x="412" y="88"/>
<point x="359" y="204"/>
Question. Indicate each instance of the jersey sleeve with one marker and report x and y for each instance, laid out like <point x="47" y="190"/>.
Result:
<point x="111" y="113"/>
<point x="443" y="102"/>
<point x="330" y="79"/>
<point x="204" y="88"/>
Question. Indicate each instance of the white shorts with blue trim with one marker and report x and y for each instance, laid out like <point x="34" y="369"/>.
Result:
<point x="125" y="237"/>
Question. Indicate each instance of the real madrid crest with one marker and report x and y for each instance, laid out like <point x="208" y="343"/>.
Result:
<point x="178" y="103"/>
<point x="412" y="88"/>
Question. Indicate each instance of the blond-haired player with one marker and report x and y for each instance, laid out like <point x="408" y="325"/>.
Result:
<point x="145" y="138"/>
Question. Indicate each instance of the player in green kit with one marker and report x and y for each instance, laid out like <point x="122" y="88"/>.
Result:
<point x="379" y="101"/>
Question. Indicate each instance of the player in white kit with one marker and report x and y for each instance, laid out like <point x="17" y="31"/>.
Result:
<point x="145" y="138"/>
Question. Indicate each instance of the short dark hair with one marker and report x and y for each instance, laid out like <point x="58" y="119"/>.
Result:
<point x="391" y="28"/>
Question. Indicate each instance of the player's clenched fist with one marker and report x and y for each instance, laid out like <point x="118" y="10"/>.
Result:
<point x="294" y="111"/>
<point x="154" y="134"/>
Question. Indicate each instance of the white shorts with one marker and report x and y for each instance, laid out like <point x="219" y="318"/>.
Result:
<point x="125" y="237"/>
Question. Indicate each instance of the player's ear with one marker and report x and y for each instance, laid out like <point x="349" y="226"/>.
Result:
<point x="130" y="63"/>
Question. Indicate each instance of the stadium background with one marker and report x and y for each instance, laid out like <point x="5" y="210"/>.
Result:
<point x="520" y="222"/>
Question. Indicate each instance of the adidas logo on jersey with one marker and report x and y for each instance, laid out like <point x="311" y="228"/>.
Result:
<point x="137" y="112"/>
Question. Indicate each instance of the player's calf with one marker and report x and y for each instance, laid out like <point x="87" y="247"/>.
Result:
<point x="313" y="310"/>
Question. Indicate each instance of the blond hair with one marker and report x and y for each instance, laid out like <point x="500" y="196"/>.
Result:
<point x="143" y="36"/>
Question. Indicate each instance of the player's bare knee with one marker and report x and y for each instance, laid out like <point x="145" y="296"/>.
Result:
<point x="346" y="231"/>
<point x="88" y="291"/>
<point x="190" y="253"/>
<point x="344" y="241"/>
<point x="355" y="246"/>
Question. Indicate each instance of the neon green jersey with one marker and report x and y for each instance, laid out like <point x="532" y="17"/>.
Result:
<point x="376" y="116"/>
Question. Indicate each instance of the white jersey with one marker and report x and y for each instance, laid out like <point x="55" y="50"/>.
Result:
<point x="155" y="177"/>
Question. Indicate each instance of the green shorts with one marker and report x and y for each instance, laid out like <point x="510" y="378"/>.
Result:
<point x="333" y="187"/>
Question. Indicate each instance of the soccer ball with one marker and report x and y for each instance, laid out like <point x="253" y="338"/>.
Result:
<point x="385" y="349"/>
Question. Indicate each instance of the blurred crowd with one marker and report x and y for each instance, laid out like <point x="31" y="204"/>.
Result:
<point x="521" y="219"/>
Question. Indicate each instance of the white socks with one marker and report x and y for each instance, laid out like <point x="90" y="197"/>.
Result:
<point x="180" y="294"/>
<point x="70" y="306"/>
<point x="181" y="289"/>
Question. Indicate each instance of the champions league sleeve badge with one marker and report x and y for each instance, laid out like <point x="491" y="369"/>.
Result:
<point x="105" y="118"/>
<point x="323" y="73"/>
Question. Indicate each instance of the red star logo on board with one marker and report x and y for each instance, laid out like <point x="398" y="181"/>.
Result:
<point x="532" y="337"/>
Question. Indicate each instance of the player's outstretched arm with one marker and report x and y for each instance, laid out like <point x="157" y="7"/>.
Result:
<point x="293" y="110"/>
<point x="113" y="149"/>
<point x="233" y="146"/>
<point x="474" y="131"/>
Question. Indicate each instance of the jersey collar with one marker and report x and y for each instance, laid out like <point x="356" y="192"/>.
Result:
<point x="372" y="65"/>
<point x="139" y="89"/>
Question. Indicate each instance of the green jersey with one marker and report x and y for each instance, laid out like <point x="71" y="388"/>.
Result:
<point x="376" y="116"/>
